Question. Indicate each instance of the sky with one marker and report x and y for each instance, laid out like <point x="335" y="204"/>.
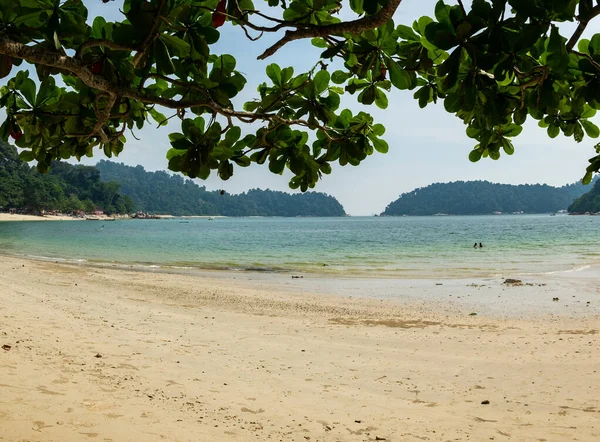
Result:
<point x="426" y="145"/>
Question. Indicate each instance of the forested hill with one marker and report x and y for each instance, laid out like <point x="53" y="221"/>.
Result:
<point x="161" y="192"/>
<point x="483" y="197"/>
<point x="65" y="188"/>
<point x="589" y="202"/>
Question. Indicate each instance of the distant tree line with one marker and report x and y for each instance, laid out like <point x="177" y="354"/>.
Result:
<point x="162" y="192"/>
<point x="66" y="188"/>
<point x="589" y="202"/>
<point x="483" y="197"/>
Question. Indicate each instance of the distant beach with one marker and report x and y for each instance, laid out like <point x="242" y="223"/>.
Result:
<point x="106" y="354"/>
<point x="17" y="217"/>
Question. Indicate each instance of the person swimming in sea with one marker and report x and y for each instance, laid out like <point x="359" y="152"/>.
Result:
<point x="480" y="245"/>
<point x="475" y="245"/>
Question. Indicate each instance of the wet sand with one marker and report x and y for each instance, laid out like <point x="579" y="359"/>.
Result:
<point x="115" y="355"/>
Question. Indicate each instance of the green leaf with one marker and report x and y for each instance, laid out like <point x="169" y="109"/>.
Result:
<point x="590" y="128"/>
<point x="27" y="88"/>
<point x="171" y="153"/>
<point x="321" y="81"/>
<point x="319" y="42"/>
<point x="340" y="77"/>
<point x="508" y="146"/>
<point x="594" y="45"/>
<point x="274" y="73"/>
<point x="475" y="155"/>
<point x="381" y="100"/>
<point x="378" y="129"/>
<point x="406" y="33"/>
<point x="553" y="131"/>
<point x="520" y="116"/>
<point x="380" y="145"/>
<point x="242" y="161"/>
<point x="400" y="78"/>
<point x="511" y="130"/>
<point x="176" y="45"/>
<point x="164" y="63"/>
<point x="27" y="156"/>
<point x="232" y="136"/>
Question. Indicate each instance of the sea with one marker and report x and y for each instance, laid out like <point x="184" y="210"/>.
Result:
<point x="398" y="247"/>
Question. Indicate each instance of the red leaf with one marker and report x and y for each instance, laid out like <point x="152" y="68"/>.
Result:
<point x="15" y="132"/>
<point x="97" y="67"/>
<point x="218" y="17"/>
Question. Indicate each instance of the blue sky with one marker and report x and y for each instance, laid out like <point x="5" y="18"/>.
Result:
<point x="426" y="146"/>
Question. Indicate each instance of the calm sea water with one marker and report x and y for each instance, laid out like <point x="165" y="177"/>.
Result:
<point x="401" y="247"/>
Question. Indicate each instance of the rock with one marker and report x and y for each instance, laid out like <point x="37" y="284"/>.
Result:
<point x="6" y="347"/>
<point x="358" y="421"/>
<point x="486" y="402"/>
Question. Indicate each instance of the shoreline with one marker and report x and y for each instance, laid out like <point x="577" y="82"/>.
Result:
<point x="19" y="217"/>
<point x="14" y="217"/>
<point x="108" y="353"/>
<point x="7" y="217"/>
<point x="577" y="271"/>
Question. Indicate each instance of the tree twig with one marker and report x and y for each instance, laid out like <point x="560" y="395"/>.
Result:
<point x="583" y="22"/>
<point x="353" y="27"/>
<point x="106" y="43"/>
<point x="462" y="7"/>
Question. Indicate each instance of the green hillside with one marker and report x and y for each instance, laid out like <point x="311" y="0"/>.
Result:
<point x="65" y="188"/>
<point x="483" y="197"/>
<point x="589" y="202"/>
<point x="162" y="192"/>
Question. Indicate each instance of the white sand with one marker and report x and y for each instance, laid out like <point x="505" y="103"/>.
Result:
<point x="15" y="217"/>
<point x="185" y="358"/>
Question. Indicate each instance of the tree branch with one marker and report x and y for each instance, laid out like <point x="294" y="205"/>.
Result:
<point x="106" y="43"/>
<point x="583" y="22"/>
<point x="462" y="7"/>
<point x="44" y="57"/>
<point x="353" y="27"/>
<point x="103" y="117"/>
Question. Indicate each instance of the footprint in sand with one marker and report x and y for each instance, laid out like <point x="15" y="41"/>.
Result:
<point x="44" y="390"/>
<point x="247" y="410"/>
<point x="39" y="426"/>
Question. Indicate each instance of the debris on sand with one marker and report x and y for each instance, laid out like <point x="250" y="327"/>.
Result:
<point x="510" y="281"/>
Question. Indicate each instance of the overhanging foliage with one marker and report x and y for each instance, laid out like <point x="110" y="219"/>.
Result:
<point x="493" y="66"/>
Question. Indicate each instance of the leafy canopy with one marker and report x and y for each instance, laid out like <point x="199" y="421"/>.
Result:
<point x="493" y="65"/>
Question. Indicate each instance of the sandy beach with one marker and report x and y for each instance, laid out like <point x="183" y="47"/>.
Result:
<point x="114" y="355"/>
<point x="16" y="217"/>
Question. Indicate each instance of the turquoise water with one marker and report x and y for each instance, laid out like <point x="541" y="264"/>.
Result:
<point x="401" y="247"/>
